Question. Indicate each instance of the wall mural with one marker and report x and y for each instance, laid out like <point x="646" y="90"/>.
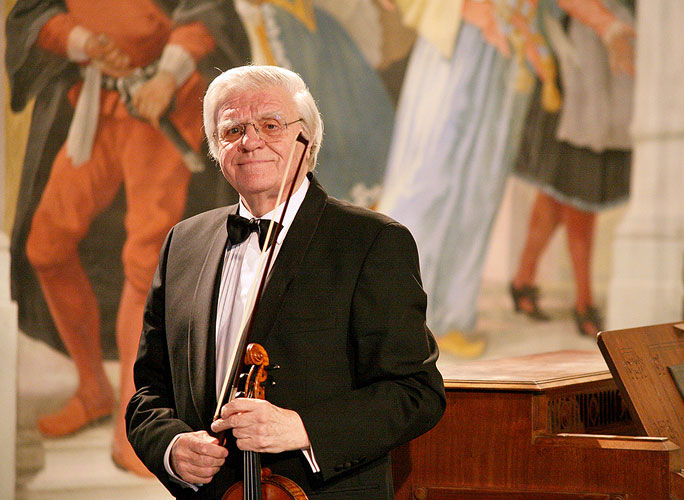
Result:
<point x="428" y="106"/>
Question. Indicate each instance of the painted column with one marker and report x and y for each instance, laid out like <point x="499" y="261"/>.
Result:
<point x="8" y="333"/>
<point x="648" y="251"/>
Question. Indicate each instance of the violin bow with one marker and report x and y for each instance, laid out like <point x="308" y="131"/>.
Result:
<point x="255" y="292"/>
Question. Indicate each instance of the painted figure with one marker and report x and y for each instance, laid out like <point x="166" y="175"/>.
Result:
<point x="457" y="130"/>
<point x="579" y="158"/>
<point x="122" y="78"/>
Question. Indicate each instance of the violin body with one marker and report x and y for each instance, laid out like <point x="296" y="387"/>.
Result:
<point x="273" y="487"/>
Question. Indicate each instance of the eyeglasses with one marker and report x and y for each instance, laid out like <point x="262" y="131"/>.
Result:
<point x="268" y="130"/>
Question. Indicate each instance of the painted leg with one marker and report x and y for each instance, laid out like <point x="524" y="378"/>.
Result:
<point x="155" y="198"/>
<point x="580" y="229"/>
<point x="74" y="309"/>
<point x="71" y="200"/>
<point x="128" y="328"/>
<point x="544" y="220"/>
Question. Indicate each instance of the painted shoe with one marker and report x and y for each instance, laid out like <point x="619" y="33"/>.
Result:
<point x="530" y="294"/>
<point x="589" y="322"/>
<point x="74" y="416"/>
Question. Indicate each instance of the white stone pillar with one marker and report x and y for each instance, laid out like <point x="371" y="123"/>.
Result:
<point x="648" y="251"/>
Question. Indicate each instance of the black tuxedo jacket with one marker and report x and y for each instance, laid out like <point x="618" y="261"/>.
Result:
<point x="343" y="315"/>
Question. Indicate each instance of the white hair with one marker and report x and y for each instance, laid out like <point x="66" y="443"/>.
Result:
<point x="255" y="77"/>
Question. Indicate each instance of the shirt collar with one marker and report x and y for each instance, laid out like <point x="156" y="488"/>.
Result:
<point x="292" y="209"/>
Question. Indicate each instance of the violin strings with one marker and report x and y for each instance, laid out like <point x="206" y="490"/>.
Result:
<point x="252" y="476"/>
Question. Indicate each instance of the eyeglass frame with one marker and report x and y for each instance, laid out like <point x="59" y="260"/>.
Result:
<point x="256" y="129"/>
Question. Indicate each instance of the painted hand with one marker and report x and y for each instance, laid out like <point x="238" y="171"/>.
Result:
<point x="154" y="97"/>
<point x="483" y="15"/>
<point x="619" y="42"/>
<point x="107" y="55"/>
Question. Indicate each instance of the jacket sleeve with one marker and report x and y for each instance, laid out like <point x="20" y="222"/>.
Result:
<point x="398" y="393"/>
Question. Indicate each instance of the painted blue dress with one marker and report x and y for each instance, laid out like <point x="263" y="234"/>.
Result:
<point x="456" y="135"/>
<point x="357" y="111"/>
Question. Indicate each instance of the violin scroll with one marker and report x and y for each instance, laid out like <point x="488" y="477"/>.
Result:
<point x="256" y="355"/>
<point x="257" y="358"/>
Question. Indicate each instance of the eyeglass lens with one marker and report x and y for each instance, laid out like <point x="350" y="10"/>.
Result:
<point x="266" y="128"/>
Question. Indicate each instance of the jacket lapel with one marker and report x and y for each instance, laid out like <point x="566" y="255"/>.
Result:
<point x="201" y="340"/>
<point x="289" y="259"/>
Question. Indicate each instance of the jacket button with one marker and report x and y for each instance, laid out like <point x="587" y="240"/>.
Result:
<point x="347" y="465"/>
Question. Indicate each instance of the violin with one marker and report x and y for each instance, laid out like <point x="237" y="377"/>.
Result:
<point x="258" y="483"/>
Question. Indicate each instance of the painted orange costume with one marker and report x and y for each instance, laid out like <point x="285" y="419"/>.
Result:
<point x="125" y="150"/>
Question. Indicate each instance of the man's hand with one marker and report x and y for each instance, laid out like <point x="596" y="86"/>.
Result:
<point x="196" y="457"/>
<point x="262" y="427"/>
<point x="107" y="55"/>
<point x="154" y="97"/>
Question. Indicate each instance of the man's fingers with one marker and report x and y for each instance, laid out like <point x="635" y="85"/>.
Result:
<point x="197" y="456"/>
<point x="261" y="426"/>
<point x="207" y="445"/>
<point x="202" y="460"/>
<point x="207" y="454"/>
<point x="260" y="444"/>
<point x="197" y="475"/>
<point x="242" y="406"/>
<point x="203" y="472"/>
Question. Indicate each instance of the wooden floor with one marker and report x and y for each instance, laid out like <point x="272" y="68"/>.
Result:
<point x="79" y="467"/>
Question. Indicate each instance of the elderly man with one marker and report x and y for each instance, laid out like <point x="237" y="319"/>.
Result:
<point x="342" y="315"/>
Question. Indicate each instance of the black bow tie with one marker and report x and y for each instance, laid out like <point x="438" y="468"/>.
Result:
<point x="239" y="229"/>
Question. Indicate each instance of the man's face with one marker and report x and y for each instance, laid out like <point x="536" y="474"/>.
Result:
<point x="255" y="167"/>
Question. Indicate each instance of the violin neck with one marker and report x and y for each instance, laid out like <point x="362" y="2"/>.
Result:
<point x="252" y="476"/>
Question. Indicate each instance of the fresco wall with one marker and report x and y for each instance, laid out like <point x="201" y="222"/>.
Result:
<point x="431" y="108"/>
<point x="442" y="153"/>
